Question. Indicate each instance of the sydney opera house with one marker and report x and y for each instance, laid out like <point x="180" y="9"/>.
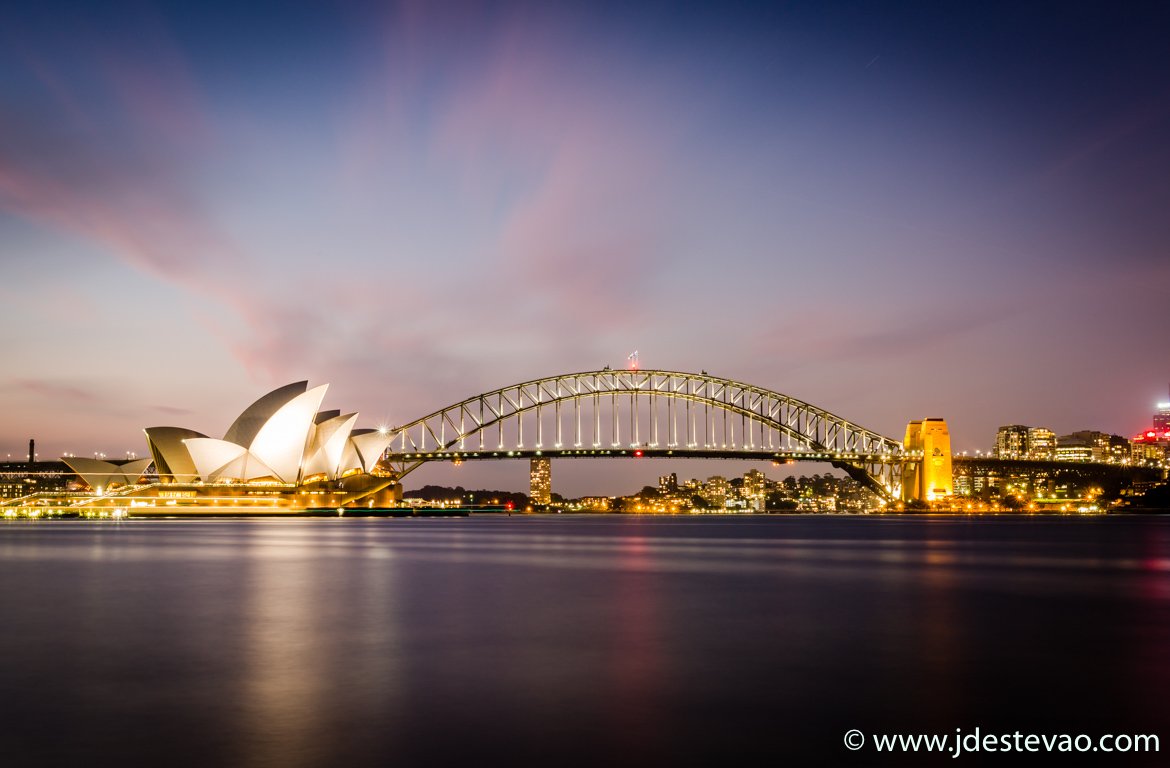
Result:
<point x="281" y="454"/>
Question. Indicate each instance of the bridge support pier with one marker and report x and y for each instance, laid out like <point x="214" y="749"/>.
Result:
<point x="927" y="475"/>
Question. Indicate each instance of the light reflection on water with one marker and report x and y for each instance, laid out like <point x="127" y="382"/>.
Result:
<point x="598" y="640"/>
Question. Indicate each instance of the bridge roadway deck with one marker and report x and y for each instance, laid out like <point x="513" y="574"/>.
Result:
<point x="645" y="451"/>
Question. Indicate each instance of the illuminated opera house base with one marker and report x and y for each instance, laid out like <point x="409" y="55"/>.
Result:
<point x="281" y="455"/>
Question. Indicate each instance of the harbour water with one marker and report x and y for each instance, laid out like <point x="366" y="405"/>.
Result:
<point x="573" y="640"/>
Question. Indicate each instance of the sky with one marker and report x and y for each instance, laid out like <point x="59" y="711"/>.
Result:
<point x="890" y="210"/>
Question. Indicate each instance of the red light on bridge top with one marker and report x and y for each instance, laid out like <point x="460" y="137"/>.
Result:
<point x="637" y="453"/>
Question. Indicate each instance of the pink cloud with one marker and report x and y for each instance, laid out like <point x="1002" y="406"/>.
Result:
<point x="56" y="391"/>
<point x="566" y="258"/>
<point x="107" y="156"/>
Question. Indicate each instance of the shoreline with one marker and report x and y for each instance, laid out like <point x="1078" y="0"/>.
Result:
<point x="467" y="512"/>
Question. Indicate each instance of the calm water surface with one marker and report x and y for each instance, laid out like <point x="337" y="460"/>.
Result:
<point x="571" y="640"/>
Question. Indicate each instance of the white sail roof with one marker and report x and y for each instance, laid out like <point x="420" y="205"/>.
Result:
<point x="99" y="474"/>
<point x="281" y="442"/>
<point x="282" y="436"/>
<point x="211" y="455"/>
<point x="172" y="460"/>
<point x="370" y="446"/>
<point x="327" y="446"/>
<point x="249" y="423"/>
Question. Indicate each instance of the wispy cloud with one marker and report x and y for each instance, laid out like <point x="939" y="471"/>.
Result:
<point x="56" y="392"/>
<point x="172" y="410"/>
<point x="106" y="150"/>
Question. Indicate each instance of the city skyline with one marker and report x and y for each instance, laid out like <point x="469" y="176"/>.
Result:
<point x="892" y="213"/>
<point x="564" y="420"/>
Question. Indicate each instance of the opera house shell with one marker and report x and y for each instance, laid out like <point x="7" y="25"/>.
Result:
<point x="107" y="475"/>
<point x="281" y="438"/>
<point x="282" y="448"/>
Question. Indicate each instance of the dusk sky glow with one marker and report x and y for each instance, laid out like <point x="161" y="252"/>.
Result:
<point x="892" y="211"/>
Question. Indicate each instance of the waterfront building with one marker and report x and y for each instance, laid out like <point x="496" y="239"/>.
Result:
<point x="716" y="491"/>
<point x="1074" y="452"/>
<point x="755" y="484"/>
<point x="1091" y="445"/>
<point x="817" y="504"/>
<point x="1011" y="442"/>
<point x="1152" y="446"/>
<point x="19" y="479"/>
<point x="1161" y="420"/>
<point x="755" y="489"/>
<point x="281" y="453"/>
<point x="1017" y="441"/>
<point x="282" y="438"/>
<point x="1147" y="451"/>
<point x="1044" y="482"/>
<point x="1041" y="444"/>
<point x="104" y="476"/>
<point x="596" y="503"/>
<point x="1118" y="450"/>
<point x="540" y="480"/>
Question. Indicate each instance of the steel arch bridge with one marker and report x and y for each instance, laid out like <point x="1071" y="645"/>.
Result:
<point x="613" y="413"/>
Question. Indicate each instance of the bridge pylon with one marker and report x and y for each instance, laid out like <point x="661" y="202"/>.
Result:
<point x="926" y="471"/>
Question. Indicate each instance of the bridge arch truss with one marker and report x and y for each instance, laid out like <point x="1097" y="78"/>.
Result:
<point x="615" y="412"/>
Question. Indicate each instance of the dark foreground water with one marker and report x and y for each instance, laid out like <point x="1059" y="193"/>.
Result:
<point x="573" y="641"/>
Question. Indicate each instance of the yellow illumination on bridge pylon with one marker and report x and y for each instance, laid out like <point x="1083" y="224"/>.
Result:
<point x="929" y="478"/>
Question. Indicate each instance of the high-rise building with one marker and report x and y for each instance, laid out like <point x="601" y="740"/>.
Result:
<point x="1162" y="417"/>
<point x="1016" y="441"/>
<point x="755" y="488"/>
<point x="1152" y="446"/>
<point x="540" y="480"/>
<point x="715" y="491"/>
<point x="1011" y="442"/>
<point x="1041" y="443"/>
<point x="668" y="483"/>
<point x="755" y="484"/>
